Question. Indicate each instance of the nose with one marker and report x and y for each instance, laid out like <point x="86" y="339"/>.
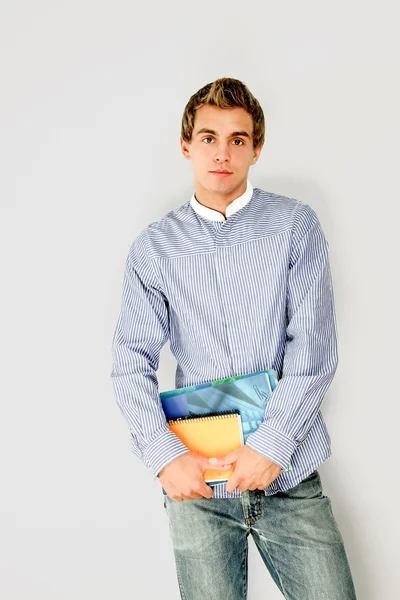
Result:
<point x="222" y="152"/>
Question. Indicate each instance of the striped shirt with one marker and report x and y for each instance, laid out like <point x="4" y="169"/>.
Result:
<point x="233" y="296"/>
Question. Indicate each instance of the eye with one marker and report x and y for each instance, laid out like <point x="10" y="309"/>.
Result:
<point x="241" y="142"/>
<point x="207" y="138"/>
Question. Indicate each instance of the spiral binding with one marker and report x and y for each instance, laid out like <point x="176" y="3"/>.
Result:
<point x="192" y="419"/>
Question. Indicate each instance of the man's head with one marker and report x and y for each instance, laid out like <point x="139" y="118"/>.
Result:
<point x="223" y="128"/>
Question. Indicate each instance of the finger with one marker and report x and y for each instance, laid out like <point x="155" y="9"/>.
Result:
<point x="224" y="467"/>
<point x="224" y="460"/>
<point x="208" y="465"/>
<point x="232" y="482"/>
<point x="206" y="491"/>
<point x="195" y="496"/>
<point x="185" y="497"/>
<point x="243" y="486"/>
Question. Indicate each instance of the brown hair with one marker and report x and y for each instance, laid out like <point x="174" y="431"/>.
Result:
<point x="225" y="93"/>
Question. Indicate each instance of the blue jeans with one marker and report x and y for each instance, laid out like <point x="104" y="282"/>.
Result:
<point x="295" y="532"/>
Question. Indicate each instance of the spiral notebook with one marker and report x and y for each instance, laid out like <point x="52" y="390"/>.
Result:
<point x="211" y="436"/>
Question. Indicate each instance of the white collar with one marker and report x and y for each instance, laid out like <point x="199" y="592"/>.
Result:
<point x="214" y="215"/>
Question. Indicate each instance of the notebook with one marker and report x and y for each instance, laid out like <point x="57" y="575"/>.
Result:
<point x="211" y="436"/>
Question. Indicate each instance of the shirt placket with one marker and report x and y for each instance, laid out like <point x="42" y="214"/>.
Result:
<point x="225" y="294"/>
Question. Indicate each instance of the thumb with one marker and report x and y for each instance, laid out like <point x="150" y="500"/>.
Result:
<point x="206" y="465"/>
<point x="227" y="459"/>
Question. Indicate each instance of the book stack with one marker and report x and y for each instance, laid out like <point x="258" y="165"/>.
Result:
<point x="207" y="417"/>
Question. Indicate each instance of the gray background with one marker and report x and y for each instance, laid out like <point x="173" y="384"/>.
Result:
<point x="92" y="95"/>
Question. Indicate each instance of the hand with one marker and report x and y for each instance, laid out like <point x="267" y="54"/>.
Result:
<point x="183" y="478"/>
<point x="252" y="470"/>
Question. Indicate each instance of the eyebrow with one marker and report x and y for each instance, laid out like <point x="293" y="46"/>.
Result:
<point x="233" y="134"/>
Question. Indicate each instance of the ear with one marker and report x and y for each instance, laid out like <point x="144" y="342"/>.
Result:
<point x="256" y="154"/>
<point x="185" y="147"/>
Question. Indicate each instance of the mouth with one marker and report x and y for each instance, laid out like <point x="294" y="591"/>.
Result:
<point x="221" y="173"/>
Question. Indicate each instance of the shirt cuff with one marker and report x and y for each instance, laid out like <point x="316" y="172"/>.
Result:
<point x="162" y="450"/>
<point x="273" y="445"/>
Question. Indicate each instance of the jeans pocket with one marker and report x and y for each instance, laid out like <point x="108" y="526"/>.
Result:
<point x="310" y="487"/>
<point x="314" y="476"/>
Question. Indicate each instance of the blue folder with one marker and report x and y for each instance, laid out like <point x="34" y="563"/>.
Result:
<point x="247" y="394"/>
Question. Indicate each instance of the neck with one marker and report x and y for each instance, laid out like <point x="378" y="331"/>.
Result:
<point x="218" y="201"/>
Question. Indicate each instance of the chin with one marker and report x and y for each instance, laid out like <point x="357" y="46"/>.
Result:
<point x="216" y="184"/>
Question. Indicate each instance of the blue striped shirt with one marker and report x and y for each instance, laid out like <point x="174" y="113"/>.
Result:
<point x="233" y="295"/>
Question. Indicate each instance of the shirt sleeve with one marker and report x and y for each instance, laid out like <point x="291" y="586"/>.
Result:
<point x="141" y="331"/>
<point x="311" y="357"/>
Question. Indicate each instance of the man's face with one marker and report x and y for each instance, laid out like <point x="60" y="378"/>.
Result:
<point x="222" y="139"/>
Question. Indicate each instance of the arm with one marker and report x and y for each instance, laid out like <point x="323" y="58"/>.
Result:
<point x="311" y="358"/>
<point x="142" y="329"/>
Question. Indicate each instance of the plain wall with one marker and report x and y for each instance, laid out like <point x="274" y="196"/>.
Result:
<point x="92" y="95"/>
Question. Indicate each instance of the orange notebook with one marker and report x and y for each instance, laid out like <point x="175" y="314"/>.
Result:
<point x="211" y="437"/>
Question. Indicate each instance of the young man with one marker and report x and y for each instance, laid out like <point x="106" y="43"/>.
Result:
<point x="238" y="280"/>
